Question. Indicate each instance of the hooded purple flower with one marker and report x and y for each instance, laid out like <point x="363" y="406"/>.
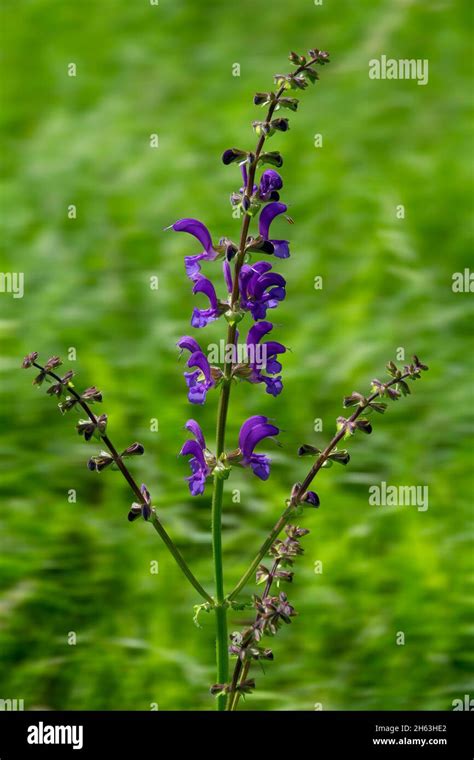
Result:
<point x="260" y="288"/>
<point x="201" y="317"/>
<point x="282" y="248"/>
<point x="254" y="430"/>
<point x="262" y="356"/>
<point x="270" y="183"/>
<point x="199" y="231"/>
<point x="200" y="379"/>
<point x="200" y="469"/>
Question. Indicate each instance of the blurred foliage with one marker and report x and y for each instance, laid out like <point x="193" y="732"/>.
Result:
<point x="387" y="284"/>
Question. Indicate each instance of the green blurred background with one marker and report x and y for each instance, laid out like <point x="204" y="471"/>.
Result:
<point x="387" y="284"/>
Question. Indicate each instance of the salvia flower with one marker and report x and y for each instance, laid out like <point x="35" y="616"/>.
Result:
<point x="281" y="247"/>
<point x="254" y="430"/>
<point x="267" y="361"/>
<point x="200" y="379"/>
<point x="270" y="183"/>
<point x="143" y="508"/>
<point x="201" y="233"/>
<point x="202" y="317"/>
<point x="260" y="288"/>
<point x="200" y="458"/>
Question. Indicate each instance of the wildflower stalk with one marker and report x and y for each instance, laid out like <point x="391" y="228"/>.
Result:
<point x="165" y="537"/>
<point x="218" y="485"/>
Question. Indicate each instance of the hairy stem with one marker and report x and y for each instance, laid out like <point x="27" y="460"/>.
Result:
<point x="173" y="549"/>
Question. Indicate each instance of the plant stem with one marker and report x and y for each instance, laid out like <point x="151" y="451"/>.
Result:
<point x="218" y="489"/>
<point x="173" y="549"/>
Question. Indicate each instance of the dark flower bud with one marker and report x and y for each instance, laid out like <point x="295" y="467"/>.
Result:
<point x="355" y="399"/>
<point x="246" y="687"/>
<point x="311" y="497"/>
<point x="259" y="244"/>
<point x="293" y="531"/>
<point x="29" y="359"/>
<point x="378" y="406"/>
<point x="53" y="362"/>
<point x="91" y="394"/>
<point x="262" y="98"/>
<point x="284" y="575"/>
<point x="68" y="404"/>
<point x="219" y="688"/>
<point x="306" y="450"/>
<point x="383" y="389"/>
<point x="262" y="574"/>
<point x="144" y="508"/>
<point x="363" y="424"/>
<point x="272" y="157"/>
<point x="100" y="461"/>
<point x="298" y="82"/>
<point x="342" y="456"/>
<point x="393" y="370"/>
<point x="418" y="364"/>
<point x="231" y="155"/>
<point x="297" y="60"/>
<point x="312" y="75"/>
<point x="245" y="203"/>
<point x="291" y="103"/>
<point x="134" y="450"/>
<point x="281" y="124"/>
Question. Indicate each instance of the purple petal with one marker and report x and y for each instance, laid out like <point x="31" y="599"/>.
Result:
<point x="269" y="181"/>
<point x="198" y="359"/>
<point x="195" y="428"/>
<point x="257" y="332"/>
<point x="247" y="427"/>
<point x="192" y="266"/>
<point x="266" y="281"/>
<point x="267" y="216"/>
<point x="227" y="276"/>
<point x="282" y="248"/>
<point x="255" y="435"/>
<point x="204" y="285"/>
<point x="197" y="229"/>
<point x="188" y="343"/>
<point x="260" y="465"/>
<point x="193" y="449"/>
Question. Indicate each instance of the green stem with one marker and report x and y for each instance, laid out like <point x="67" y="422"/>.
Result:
<point x="222" y="656"/>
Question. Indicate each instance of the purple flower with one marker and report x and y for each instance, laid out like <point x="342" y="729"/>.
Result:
<point x="270" y="183"/>
<point x="262" y="356"/>
<point x="202" y="317"/>
<point x="282" y="248"/>
<point x="254" y="430"/>
<point x="199" y="231"/>
<point x="200" y="469"/>
<point x="200" y="379"/>
<point x="260" y="288"/>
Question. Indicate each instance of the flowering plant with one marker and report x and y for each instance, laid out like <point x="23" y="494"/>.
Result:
<point x="253" y="289"/>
